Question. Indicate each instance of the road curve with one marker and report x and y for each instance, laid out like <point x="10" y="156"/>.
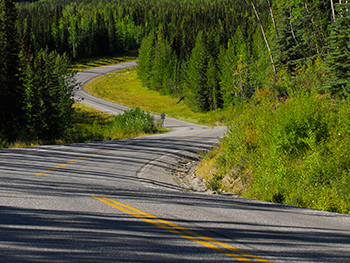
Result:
<point x="112" y="201"/>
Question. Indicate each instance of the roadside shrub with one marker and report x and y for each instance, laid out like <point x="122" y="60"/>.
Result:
<point x="92" y="125"/>
<point x="293" y="151"/>
<point x="135" y="121"/>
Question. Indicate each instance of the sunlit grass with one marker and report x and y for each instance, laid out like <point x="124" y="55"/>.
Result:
<point x="124" y="87"/>
<point x="92" y="125"/>
<point x="89" y="124"/>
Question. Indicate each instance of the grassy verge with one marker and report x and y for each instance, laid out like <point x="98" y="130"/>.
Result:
<point x="294" y="152"/>
<point x="124" y="87"/>
<point x="93" y="125"/>
<point x="90" y="125"/>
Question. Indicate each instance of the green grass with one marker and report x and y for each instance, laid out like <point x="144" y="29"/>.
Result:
<point x="124" y="87"/>
<point x="93" y="125"/>
<point x="90" y="124"/>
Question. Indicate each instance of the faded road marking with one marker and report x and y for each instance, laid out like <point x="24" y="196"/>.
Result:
<point x="195" y="133"/>
<point x="71" y="161"/>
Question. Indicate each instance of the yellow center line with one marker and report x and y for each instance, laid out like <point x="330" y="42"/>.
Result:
<point x="71" y="161"/>
<point x="191" y="235"/>
<point x="172" y="124"/>
<point x="194" y="133"/>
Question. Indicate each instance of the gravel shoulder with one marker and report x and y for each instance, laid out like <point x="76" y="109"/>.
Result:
<point x="174" y="171"/>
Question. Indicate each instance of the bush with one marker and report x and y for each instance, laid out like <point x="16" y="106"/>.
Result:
<point x="294" y="152"/>
<point x="135" y="121"/>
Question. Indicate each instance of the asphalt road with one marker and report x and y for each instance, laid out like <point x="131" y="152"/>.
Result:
<point x="113" y="201"/>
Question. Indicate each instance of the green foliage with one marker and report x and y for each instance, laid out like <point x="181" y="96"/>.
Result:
<point x="135" y="121"/>
<point x="294" y="152"/>
<point x="146" y="53"/>
<point x="12" y="93"/>
<point x="215" y="183"/>
<point x="81" y="29"/>
<point x="303" y="32"/>
<point x="195" y="86"/>
<point x="50" y="94"/>
<point x="163" y="66"/>
<point x="338" y="60"/>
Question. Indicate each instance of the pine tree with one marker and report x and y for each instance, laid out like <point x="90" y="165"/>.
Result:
<point x="338" y="60"/>
<point x="163" y="67"/>
<point x="50" y="91"/>
<point x="213" y="87"/>
<point x="145" y="59"/>
<point x="196" y="92"/>
<point x="226" y="62"/>
<point x="12" y="93"/>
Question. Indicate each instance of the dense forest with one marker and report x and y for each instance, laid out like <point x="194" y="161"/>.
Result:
<point x="281" y="67"/>
<point x="212" y="52"/>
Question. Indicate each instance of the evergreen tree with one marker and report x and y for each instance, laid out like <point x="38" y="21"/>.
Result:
<point x="145" y="59"/>
<point x="196" y="91"/>
<point x="213" y="87"/>
<point x="50" y="91"/>
<point x="163" y="67"/>
<point x="12" y="94"/>
<point x="338" y="60"/>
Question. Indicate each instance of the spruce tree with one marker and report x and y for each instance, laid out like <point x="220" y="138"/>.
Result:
<point x="50" y="91"/>
<point x="196" y="86"/>
<point x="163" y="67"/>
<point x="12" y="93"/>
<point x="226" y="62"/>
<point x="145" y="59"/>
<point x="213" y="87"/>
<point x="338" y="60"/>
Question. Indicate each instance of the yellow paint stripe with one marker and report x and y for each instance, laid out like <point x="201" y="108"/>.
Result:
<point x="191" y="235"/>
<point x="191" y="232"/>
<point x="172" y="124"/>
<point x="194" y="133"/>
<point x="71" y="161"/>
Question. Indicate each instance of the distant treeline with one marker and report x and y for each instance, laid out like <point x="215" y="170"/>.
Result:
<point x="212" y="52"/>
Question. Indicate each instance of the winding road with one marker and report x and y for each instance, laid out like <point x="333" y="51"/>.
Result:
<point x="115" y="201"/>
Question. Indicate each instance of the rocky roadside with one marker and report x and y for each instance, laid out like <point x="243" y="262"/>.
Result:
<point x="177" y="172"/>
<point x="184" y="174"/>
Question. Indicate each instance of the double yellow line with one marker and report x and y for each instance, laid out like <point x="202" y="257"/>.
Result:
<point x="184" y="232"/>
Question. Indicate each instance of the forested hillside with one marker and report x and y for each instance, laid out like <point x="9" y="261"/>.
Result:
<point x="211" y="52"/>
<point x="282" y="68"/>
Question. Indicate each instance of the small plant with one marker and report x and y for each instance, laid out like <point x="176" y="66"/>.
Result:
<point x="215" y="183"/>
<point x="135" y="121"/>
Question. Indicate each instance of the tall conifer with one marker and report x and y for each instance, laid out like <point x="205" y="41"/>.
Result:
<point x="338" y="60"/>
<point x="11" y="90"/>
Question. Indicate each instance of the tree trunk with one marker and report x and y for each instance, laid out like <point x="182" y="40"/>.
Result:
<point x="291" y="29"/>
<point x="266" y="41"/>
<point x="273" y="18"/>
<point x="333" y="12"/>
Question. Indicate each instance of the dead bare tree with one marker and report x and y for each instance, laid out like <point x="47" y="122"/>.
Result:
<point x="333" y="12"/>
<point x="272" y="17"/>
<point x="266" y="41"/>
<point x="293" y="34"/>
